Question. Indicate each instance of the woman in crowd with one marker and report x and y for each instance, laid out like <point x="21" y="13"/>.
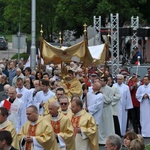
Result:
<point x="136" y="144"/>
<point x="128" y="137"/>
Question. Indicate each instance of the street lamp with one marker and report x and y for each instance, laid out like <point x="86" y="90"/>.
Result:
<point x="19" y="35"/>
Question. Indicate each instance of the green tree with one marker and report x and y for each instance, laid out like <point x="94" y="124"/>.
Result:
<point x="46" y="11"/>
<point x="15" y="12"/>
<point x="60" y="15"/>
<point x="72" y="14"/>
<point x="125" y="9"/>
<point x="2" y="20"/>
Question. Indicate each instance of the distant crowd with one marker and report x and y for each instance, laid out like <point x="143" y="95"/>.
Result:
<point x="70" y="107"/>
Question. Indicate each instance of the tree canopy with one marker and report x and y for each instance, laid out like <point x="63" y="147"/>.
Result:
<point x="60" y="15"/>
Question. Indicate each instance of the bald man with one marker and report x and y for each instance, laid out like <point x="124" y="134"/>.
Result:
<point x="4" y="94"/>
<point x="18" y="75"/>
<point x="62" y="127"/>
<point x="37" y="133"/>
<point x="16" y="108"/>
<point x="94" y="102"/>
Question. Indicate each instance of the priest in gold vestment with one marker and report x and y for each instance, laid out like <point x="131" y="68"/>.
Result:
<point x="7" y="125"/>
<point x="37" y="133"/>
<point x="65" y="107"/>
<point x="85" y="128"/>
<point x="62" y="127"/>
<point x="71" y="85"/>
<point x="59" y="92"/>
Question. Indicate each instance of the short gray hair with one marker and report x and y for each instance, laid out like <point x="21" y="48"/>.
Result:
<point x="54" y="104"/>
<point x="115" y="140"/>
<point x="120" y="75"/>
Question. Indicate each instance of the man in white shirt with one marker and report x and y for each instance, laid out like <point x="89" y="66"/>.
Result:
<point x="95" y="102"/>
<point x="143" y="96"/>
<point x="23" y="92"/>
<point x="106" y="126"/>
<point x="43" y="96"/>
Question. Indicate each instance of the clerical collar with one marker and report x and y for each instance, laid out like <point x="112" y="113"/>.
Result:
<point x="20" y="90"/>
<point x="55" y="118"/>
<point x="46" y="93"/>
<point x="12" y="100"/>
<point x="146" y="85"/>
<point x="33" y="123"/>
<point x="121" y="84"/>
<point x="97" y="92"/>
<point x="78" y="114"/>
<point x="2" y="125"/>
<point x="65" y="111"/>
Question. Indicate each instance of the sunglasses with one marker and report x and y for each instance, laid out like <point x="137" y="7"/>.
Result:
<point x="63" y="103"/>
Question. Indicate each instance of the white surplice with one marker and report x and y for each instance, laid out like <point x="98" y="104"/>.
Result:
<point x="42" y="97"/>
<point x="124" y="104"/>
<point x="106" y="126"/>
<point x="144" y="109"/>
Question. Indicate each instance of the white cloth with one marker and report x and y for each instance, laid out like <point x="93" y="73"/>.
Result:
<point x="32" y="100"/>
<point x="17" y="115"/>
<point x="144" y="109"/>
<point x="26" y="95"/>
<point x="82" y="144"/>
<point x="61" y="144"/>
<point x="95" y="105"/>
<point x="26" y="98"/>
<point x="116" y="99"/>
<point x="34" y="146"/>
<point x="43" y="97"/>
<point x="124" y="104"/>
<point x="106" y="126"/>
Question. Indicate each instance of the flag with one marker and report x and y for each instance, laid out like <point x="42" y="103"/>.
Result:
<point x="27" y="63"/>
<point x="137" y="63"/>
<point x="7" y="104"/>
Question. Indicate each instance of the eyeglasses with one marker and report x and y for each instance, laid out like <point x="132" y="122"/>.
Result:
<point x="63" y="103"/>
<point x="119" y="79"/>
<point x="60" y="94"/>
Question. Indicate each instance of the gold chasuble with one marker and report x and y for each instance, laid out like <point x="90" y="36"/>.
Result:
<point x="8" y="126"/>
<point x="42" y="131"/>
<point x="88" y="127"/>
<point x="72" y="87"/>
<point x="31" y="132"/>
<point x="62" y="126"/>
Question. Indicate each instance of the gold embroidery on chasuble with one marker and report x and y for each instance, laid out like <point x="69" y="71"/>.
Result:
<point x="75" y="122"/>
<point x="68" y="85"/>
<point x="31" y="132"/>
<point x="56" y="126"/>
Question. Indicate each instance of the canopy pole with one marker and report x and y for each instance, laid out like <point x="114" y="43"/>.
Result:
<point x="41" y="47"/>
<point x="60" y="45"/>
<point x="85" y="44"/>
<point x="106" y="54"/>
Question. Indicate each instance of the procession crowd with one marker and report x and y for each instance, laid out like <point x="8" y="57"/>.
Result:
<point x="70" y="107"/>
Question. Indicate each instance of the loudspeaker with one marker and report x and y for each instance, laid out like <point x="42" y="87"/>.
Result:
<point x="143" y="32"/>
<point x="125" y="31"/>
